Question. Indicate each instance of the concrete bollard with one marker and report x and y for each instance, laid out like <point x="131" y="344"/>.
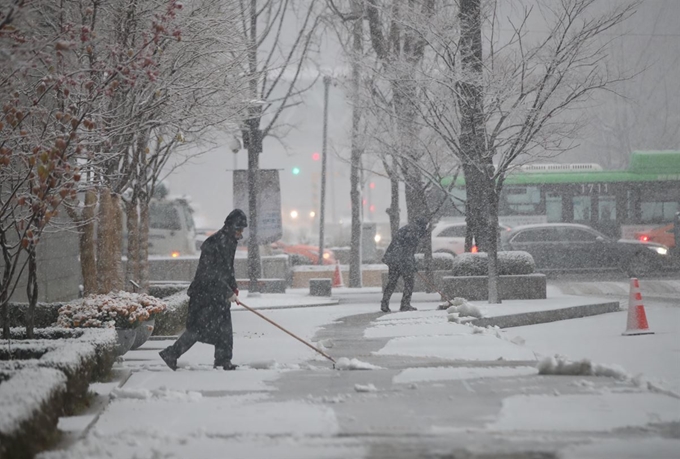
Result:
<point x="320" y="287"/>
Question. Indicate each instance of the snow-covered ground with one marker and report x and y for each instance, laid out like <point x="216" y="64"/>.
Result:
<point x="599" y="339"/>
<point x="428" y="378"/>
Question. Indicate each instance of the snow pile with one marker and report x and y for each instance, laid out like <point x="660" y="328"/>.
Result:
<point x="457" y="301"/>
<point x="161" y="393"/>
<point x="272" y="365"/>
<point x="365" y="388"/>
<point x="343" y="363"/>
<point x="330" y="399"/>
<point x="560" y="365"/>
<point x="461" y="308"/>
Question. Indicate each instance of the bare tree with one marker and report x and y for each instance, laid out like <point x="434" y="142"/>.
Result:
<point x="400" y="50"/>
<point x="528" y="89"/>
<point x="273" y="70"/>
<point x="186" y="87"/>
<point x="48" y="98"/>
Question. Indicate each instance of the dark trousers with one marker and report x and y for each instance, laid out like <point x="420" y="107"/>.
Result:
<point x="223" y="348"/>
<point x="393" y="275"/>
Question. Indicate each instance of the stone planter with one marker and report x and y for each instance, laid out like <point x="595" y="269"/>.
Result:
<point x="143" y="332"/>
<point x="126" y="336"/>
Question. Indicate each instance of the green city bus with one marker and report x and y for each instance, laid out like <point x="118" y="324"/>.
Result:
<point x="618" y="203"/>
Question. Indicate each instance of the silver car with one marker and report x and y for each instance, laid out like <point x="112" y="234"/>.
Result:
<point x="574" y="247"/>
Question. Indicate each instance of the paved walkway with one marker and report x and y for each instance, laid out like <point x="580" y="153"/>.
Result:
<point x="433" y="389"/>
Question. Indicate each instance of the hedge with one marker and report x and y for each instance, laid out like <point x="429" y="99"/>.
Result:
<point x="477" y="264"/>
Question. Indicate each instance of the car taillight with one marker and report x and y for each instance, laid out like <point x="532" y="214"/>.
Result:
<point x="174" y="254"/>
<point x="644" y="238"/>
<point x="473" y="249"/>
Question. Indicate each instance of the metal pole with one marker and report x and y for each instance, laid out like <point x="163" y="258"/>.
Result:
<point x="322" y="210"/>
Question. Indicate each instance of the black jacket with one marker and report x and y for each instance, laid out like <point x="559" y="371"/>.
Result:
<point x="209" y="309"/>
<point x="401" y="252"/>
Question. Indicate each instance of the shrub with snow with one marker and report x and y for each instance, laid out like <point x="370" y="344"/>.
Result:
<point x="509" y="263"/>
<point x="113" y="310"/>
<point x="440" y="261"/>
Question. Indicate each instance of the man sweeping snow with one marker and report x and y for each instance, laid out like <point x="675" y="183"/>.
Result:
<point x="210" y="296"/>
<point x="401" y="262"/>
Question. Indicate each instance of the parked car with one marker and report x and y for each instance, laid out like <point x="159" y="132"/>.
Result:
<point x="449" y="237"/>
<point x="301" y="254"/>
<point x="171" y="228"/>
<point x="573" y="247"/>
<point x="662" y="235"/>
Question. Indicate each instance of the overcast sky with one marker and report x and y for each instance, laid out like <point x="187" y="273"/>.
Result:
<point x="645" y="116"/>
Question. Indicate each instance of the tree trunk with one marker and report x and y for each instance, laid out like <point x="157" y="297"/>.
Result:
<point x="88" y="258"/>
<point x="143" y="273"/>
<point x="494" y="295"/>
<point x="132" y="223"/>
<point x="393" y="211"/>
<point x="4" y="288"/>
<point x="31" y="291"/>
<point x="473" y="130"/>
<point x="254" y="267"/>
<point x="355" y="163"/>
<point x="117" y="242"/>
<point x="109" y="250"/>
<point x="476" y="208"/>
<point x="104" y="242"/>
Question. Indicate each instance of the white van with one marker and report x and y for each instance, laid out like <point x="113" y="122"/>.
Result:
<point x="171" y="228"/>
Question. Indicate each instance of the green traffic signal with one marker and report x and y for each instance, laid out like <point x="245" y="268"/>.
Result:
<point x="296" y="170"/>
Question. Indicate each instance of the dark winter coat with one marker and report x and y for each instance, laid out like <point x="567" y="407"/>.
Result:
<point x="401" y="251"/>
<point x="214" y="283"/>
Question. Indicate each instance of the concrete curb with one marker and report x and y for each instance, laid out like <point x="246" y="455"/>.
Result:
<point x="539" y="317"/>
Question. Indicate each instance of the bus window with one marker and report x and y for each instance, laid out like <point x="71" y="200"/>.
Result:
<point x="607" y="208"/>
<point x="553" y="207"/>
<point x="581" y="208"/>
<point x="659" y="207"/>
<point x="521" y="200"/>
<point x="658" y="211"/>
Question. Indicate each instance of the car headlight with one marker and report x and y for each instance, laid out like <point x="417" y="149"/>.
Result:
<point x="659" y="250"/>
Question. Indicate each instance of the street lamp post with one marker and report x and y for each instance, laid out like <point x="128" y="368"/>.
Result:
<point x="322" y="207"/>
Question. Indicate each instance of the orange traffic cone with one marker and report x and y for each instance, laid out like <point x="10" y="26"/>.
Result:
<point x="637" y="319"/>
<point x="337" y="276"/>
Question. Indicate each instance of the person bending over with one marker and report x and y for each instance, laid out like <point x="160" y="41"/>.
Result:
<point x="401" y="262"/>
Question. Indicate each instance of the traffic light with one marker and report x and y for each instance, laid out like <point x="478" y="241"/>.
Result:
<point x="371" y="185"/>
<point x="316" y="156"/>
<point x="296" y="170"/>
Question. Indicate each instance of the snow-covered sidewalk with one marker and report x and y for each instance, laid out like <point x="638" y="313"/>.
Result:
<point x="435" y="386"/>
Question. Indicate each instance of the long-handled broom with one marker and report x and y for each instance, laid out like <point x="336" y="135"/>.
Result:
<point x="290" y="333"/>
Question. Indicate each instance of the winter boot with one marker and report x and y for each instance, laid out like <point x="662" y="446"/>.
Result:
<point x="408" y="307"/>
<point x="384" y="307"/>
<point x="169" y="360"/>
<point x="228" y="366"/>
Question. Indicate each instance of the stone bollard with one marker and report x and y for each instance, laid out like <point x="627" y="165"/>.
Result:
<point x="320" y="287"/>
